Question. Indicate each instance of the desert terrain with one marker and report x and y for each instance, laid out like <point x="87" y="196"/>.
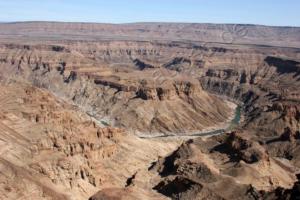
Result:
<point x="149" y="111"/>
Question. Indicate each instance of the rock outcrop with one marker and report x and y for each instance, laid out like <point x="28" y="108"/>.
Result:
<point x="210" y="169"/>
<point x="74" y="98"/>
<point x="50" y="149"/>
<point x="167" y="102"/>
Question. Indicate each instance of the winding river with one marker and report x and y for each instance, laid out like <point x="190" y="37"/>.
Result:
<point x="232" y="124"/>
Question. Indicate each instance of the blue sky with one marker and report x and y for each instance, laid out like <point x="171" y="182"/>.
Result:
<point x="268" y="12"/>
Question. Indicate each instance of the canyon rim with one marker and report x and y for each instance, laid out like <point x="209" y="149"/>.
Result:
<point x="149" y="111"/>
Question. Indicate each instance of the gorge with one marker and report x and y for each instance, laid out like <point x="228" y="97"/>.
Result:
<point x="149" y="111"/>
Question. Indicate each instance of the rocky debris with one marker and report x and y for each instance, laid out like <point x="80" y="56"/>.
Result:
<point x="61" y="147"/>
<point x="246" y="149"/>
<point x="179" y="188"/>
<point x="287" y="194"/>
<point x="51" y="148"/>
<point x="112" y="194"/>
<point x="231" y="162"/>
<point x="168" y="165"/>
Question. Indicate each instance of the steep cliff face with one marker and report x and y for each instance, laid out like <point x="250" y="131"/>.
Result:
<point x="50" y="149"/>
<point x="148" y="101"/>
<point x="271" y="96"/>
<point x="59" y="102"/>
<point x="49" y="146"/>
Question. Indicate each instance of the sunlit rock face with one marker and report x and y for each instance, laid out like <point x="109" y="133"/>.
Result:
<point x="84" y="108"/>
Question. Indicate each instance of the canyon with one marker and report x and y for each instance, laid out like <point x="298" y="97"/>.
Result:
<point x="149" y="111"/>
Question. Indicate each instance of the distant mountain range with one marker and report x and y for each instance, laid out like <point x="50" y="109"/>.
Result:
<point x="218" y="33"/>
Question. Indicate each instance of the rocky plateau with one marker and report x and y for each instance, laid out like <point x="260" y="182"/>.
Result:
<point x="87" y="111"/>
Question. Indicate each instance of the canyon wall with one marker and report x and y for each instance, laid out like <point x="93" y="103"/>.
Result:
<point x="73" y="106"/>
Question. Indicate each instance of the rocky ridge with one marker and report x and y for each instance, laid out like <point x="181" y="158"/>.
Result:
<point x="148" y="86"/>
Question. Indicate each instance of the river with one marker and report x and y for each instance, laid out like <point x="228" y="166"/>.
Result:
<point x="232" y="124"/>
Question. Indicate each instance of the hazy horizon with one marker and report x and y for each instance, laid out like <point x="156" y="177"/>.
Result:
<point x="269" y="13"/>
<point x="146" y="22"/>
